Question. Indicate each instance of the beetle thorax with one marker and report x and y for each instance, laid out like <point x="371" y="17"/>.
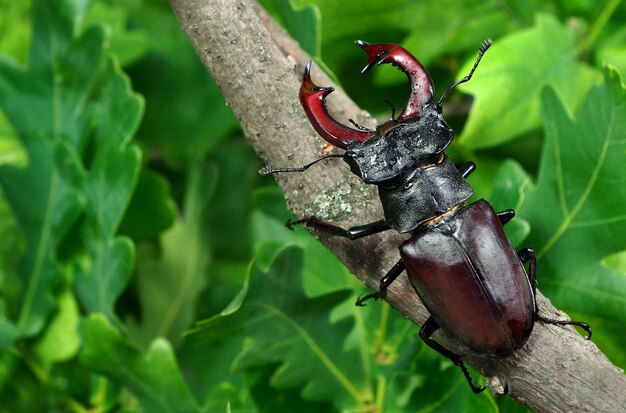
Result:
<point x="429" y="191"/>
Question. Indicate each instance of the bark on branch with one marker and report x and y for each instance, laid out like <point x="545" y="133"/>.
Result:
<point x="258" y="69"/>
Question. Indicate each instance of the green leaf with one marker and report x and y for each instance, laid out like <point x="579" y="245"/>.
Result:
<point x="576" y="210"/>
<point x="61" y="339"/>
<point x="169" y="287"/>
<point x="16" y="28"/>
<point x="8" y="330"/>
<point x="108" y="187"/>
<point x="174" y="80"/>
<point x="45" y="105"/>
<point x="151" y="210"/>
<point x="276" y="323"/>
<point x="507" y="85"/>
<point x="154" y="377"/>
<point x="302" y="22"/>
<point x="126" y="43"/>
<point x="511" y="182"/>
<point x="322" y="271"/>
<point x="72" y="166"/>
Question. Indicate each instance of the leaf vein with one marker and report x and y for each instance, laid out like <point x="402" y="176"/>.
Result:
<point x="567" y="221"/>
<point x="321" y="355"/>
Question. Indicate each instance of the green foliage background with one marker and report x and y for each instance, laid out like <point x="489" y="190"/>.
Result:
<point x="144" y="266"/>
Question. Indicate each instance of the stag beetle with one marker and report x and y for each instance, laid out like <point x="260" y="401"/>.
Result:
<point x="458" y="259"/>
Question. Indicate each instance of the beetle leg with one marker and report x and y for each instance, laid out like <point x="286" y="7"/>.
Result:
<point x="505" y="217"/>
<point x="267" y="170"/>
<point x="351" y="233"/>
<point x="528" y="254"/>
<point x="466" y="168"/>
<point x="427" y="330"/>
<point x="385" y="282"/>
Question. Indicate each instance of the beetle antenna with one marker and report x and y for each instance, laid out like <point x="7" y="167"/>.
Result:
<point x="393" y="108"/>
<point x="481" y="51"/>
<point x="268" y="170"/>
<point x="359" y="127"/>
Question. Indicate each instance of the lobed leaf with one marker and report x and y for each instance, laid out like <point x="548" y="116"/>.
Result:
<point x="277" y="324"/>
<point x="154" y="377"/>
<point x="170" y="286"/>
<point x="576" y="209"/>
<point x="109" y="185"/>
<point x="72" y="168"/>
<point x="45" y="104"/>
<point x="507" y="86"/>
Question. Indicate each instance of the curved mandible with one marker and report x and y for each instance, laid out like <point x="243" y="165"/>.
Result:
<point x="422" y="89"/>
<point x="312" y="98"/>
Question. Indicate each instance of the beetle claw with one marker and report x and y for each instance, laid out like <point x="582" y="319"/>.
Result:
<point x="291" y="223"/>
<point x="360" y="302"/>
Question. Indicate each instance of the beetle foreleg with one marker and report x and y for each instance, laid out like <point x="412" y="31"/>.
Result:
<point x="528" y="254"/>
<point x="268" y="170"/>
<point x="351" y="233"/>
<point x="385" y="282"/>
<point x="506" y="216"/>
<point x="427" y="330"/>
<point x="466" y="168"/>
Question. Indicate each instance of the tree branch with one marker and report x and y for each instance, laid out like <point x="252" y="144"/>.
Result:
<point x="258" y="69"/>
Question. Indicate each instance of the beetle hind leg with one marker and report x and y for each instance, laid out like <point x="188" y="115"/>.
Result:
<point x="581" y="324"/>
<point x="427" y="330"/>
<point x="528" y="254"/>
<point x="385" y="282"/>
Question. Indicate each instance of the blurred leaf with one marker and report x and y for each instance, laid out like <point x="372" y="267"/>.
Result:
<point x="109" y="184"/>
<point x="507" y="85"/>
<point x="151" y="210"/>
<point x="323" y="273"/>
<point x="228" y="215"/>
<point x="11" y="249"/>
<point x="170" y="286"/>
<point x="511" y="182"/>
<point x="278" y="324"/>
<point x="576" y="208"/>
<point x="442" y="388"/>
<point x="154" y="377"/>
<point x="125" y="42"/>
<point x="45" y="104"/>
<point x="61" y="339"/>
<point x="302" y="22"/>
<point x="270" y="399"/>
<point x="613" y="50"/>
<point x="461" y="31"/>
<point x="429" y="30"/>
<point x="8" y="331"/>
<point x="11" y="149"/>
<point x="15" y="28"/>
<point x="186" y="114"/>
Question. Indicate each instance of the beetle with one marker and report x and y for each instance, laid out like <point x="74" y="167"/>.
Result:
<point x="458" y="259"/>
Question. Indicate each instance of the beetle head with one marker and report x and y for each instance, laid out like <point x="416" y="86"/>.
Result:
<point x="401" y="149"/>
<point x="398" y="145"/>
